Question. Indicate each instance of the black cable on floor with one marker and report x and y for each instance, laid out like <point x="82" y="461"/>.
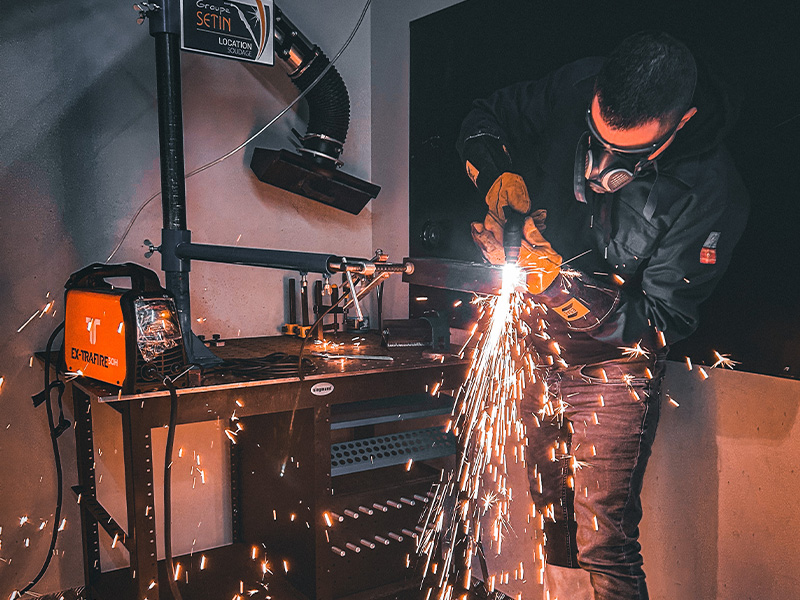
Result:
<point x="55" y="432"/>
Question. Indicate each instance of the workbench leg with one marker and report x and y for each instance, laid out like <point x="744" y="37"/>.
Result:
<point x="137" y="445"/>
<point x="84" y="451"/>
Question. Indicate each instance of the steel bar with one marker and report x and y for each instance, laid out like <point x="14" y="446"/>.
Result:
<point x="455" y="275"/>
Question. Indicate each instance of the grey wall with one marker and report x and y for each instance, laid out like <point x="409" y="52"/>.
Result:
<point x="390" y="72"/>
<point x="79" y="153"/>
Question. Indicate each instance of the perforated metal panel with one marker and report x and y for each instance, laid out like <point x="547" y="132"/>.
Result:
<point x="392" y="449"/>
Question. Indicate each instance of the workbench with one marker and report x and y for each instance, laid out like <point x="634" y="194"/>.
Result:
<point x="296" y="515"/>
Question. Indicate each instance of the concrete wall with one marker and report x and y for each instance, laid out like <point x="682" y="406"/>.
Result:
<point x="721" y="493"/>
<point x="79" y="151"/>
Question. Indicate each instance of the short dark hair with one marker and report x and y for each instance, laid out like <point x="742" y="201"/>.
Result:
<point x="649" y="76"/>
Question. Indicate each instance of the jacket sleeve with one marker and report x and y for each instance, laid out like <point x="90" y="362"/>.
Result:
<point x="681" y="273"/>
<point x="506" y="124"/>
<point x="497" y="125"/>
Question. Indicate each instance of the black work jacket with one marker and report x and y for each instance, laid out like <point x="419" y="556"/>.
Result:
<point x="668" y="235"/>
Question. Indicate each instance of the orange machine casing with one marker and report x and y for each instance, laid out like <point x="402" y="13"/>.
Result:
<point x="102" y="328"/>
<point x="94" y="335"/>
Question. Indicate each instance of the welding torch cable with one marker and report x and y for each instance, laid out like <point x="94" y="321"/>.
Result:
<point x="168" y="452"/>
<point x="252" y="137"/>
<point x="276" y="364"/>
<point x="56" y="456"/>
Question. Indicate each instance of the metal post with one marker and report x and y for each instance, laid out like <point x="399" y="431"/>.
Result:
<point x="165" y="28"/>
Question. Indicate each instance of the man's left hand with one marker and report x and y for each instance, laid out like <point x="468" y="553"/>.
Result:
<point x="537" y="258"/>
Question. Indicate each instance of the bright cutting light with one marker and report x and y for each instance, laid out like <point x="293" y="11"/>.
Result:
<point x="513" y="277"/>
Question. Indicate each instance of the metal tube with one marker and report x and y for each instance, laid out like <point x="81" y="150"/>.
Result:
<point x="170" y="129"/>
<point x="165" y="29"/>
<point x="304" y="262"/>
<point x="455" y="275"/>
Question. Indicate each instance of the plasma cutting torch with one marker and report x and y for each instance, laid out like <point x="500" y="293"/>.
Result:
<point x="512" y="234"/>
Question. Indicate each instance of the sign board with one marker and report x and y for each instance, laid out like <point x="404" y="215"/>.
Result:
<point x="238" y="29"/>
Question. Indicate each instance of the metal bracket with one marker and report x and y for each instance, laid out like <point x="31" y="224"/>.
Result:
<point x="144" y="9"/>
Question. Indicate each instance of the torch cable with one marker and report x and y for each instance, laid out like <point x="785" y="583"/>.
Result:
<point x="54" y="434"/>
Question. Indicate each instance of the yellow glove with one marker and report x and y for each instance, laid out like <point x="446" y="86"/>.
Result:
<point x="537" y="258"/>
<point x="507" y="190"/>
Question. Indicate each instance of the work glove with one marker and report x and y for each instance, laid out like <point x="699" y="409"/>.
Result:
<point x="507" y="190"/>
<point x="537" y="258"/>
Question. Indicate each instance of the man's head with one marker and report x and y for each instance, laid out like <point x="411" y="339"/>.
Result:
<point x="649" y="77"/>
<point x="642" y="98"/>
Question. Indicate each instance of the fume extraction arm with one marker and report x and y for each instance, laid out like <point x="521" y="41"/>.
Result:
<point x="314" y="172"/>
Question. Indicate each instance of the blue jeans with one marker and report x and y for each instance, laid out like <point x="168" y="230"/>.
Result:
<point x="586" y="468"/>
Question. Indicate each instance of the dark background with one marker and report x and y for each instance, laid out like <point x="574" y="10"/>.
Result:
<point x="473" y="48"/>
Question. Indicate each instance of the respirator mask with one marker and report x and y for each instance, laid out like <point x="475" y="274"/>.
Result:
<point x="607" y="168"/>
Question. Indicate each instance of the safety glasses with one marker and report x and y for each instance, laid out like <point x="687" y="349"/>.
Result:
<point x="636" y="152"/>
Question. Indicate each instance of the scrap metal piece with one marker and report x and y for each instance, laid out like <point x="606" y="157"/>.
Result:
<point x="462" y="276"/>
<point x="334" y="356"/>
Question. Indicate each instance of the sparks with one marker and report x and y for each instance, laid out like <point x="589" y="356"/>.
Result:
<point x="722" y="360"/>
<point x="662" y="340"/>
<point x="635" y="351"/>
<point x="31" y="318"/>
<point x="485" y="419"/>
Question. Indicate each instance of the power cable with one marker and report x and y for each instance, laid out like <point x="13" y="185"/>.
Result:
<point x="173" y="421"/>
<point x="276" y="364"/>
<point x="55" y="432"/>
<point x="252" y="137"/>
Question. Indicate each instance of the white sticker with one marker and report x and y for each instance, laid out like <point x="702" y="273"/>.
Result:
<point x="323" y="388"/>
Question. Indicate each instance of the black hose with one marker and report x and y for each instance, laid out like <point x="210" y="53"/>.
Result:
<point x="54" y="433"/>
<point x="328" y="107"/>
<point x="173" y="421"/>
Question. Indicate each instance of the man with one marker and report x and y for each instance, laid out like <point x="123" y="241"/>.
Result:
<point x="619" y="166"/>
